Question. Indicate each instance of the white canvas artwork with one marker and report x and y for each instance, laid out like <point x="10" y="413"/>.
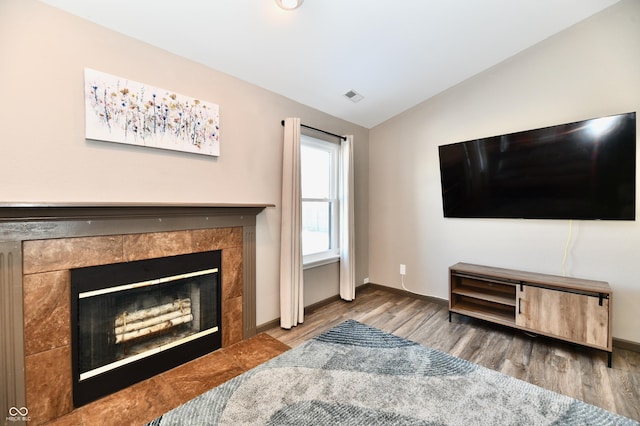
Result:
<point x="125" y="111"/>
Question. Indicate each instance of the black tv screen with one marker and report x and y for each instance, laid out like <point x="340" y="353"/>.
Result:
<point x="581" y="170"/>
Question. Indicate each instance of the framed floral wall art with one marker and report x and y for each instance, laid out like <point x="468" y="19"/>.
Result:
<point x="125" y="111"/>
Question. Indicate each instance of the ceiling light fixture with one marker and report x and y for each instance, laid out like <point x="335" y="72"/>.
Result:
<point x="289" y="4"/>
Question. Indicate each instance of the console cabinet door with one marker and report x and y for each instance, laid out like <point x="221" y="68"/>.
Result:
<point x="575" y="317"/>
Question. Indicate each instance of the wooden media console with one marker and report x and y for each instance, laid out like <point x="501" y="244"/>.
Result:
<point x="570" y="309"/>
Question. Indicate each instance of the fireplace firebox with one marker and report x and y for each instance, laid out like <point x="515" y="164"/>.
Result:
<point x="133" y="320"/>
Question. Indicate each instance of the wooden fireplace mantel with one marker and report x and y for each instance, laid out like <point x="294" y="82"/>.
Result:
<point x="28" y="221"/>
<point x="20" y="211"/>
<point x="21" y="222"/>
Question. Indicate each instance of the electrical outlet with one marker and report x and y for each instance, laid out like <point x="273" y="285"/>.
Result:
<point x="403" y="269"/>
<point x="366" y="280"/>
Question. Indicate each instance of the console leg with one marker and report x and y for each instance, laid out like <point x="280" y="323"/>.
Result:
<point x="449" y="316"/>
<point x="609" y="356"/>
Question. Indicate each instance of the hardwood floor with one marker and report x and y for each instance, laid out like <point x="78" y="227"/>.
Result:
<point x="571" y="370"/>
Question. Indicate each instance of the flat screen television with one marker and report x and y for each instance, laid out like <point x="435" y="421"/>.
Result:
<point x="581" y="170"/>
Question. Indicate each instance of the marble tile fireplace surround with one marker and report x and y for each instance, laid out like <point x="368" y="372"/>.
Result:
<point x="41" y="244"/>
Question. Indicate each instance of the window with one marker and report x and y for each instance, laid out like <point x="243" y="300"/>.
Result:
<point x="319" y="170"/>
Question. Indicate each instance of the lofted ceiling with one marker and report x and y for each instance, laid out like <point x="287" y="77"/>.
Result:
<point x="395" y="53"/>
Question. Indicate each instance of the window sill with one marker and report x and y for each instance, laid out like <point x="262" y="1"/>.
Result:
<point x="321" y="262"/>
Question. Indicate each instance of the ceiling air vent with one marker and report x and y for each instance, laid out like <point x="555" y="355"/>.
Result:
<point x="354" y="96"/>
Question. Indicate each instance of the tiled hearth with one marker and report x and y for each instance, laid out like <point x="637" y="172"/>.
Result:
<point x="44" y="278"/>
<point x="149" y="399"/>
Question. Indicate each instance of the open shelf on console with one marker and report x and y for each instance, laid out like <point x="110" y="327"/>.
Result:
<point x="483" y="297"/>
<point x="481" y="312"/>
<point x="489" y="296"/>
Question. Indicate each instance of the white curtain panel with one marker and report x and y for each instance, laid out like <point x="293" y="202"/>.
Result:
<point x="347" y="235"/>
<point x="291" y="274"/>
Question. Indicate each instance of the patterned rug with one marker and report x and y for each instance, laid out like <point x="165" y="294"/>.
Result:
<point x="355" y="374"/>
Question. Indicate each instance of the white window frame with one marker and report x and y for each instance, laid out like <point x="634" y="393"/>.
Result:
<point x="333" y="254"/>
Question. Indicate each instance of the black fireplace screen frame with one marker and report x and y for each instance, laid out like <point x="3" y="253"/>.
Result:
<point x="103" y="276"/>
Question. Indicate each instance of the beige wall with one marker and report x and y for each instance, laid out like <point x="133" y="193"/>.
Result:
<point x="589" y="70"/>
<point x="44" y="156"/>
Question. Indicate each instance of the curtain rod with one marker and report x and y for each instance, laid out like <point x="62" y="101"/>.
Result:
<point x="344" y="138"/>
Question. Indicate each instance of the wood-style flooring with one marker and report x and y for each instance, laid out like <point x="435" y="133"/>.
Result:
<point x="578" y="372"/>
<point x="571" y="370"/>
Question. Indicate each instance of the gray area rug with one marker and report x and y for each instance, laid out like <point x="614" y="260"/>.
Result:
<point x="355" y="374"/>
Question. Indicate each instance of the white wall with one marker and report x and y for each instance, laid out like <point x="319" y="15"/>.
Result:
<point x="589" y="70"/>
<point x="44" y="156"/>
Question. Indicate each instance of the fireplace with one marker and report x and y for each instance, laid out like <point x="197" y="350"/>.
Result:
<point x="41" y="244"/>
<point x="133" y="320"/>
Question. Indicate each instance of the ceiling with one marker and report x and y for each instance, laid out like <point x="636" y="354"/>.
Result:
<point x="395" y="53"/>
